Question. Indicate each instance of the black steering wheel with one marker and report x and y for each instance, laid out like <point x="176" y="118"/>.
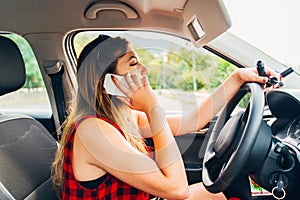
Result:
<point x="232" y="139"/>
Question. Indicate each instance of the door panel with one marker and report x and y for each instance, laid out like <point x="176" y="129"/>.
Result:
<point x="189" y="146"/>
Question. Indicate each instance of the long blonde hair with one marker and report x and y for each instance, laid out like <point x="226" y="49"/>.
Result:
<point x="98" y="58"/>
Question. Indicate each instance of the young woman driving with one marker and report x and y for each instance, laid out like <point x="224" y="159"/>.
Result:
<point x="102" y="154"/>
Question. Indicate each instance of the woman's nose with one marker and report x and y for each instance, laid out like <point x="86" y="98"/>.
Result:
<point x="144" y="70"/>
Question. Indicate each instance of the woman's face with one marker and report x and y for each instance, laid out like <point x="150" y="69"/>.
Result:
<point x="130" y="62"/>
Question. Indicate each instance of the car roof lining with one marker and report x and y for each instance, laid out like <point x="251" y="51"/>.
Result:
<point x="28" y="17"/>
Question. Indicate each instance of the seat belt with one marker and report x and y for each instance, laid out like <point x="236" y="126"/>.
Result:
<point x="55" y="71"/>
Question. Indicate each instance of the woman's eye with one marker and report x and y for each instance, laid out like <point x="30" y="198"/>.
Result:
<point x="134" y="64"/>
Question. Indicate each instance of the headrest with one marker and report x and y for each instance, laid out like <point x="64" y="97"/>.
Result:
<point x="12" y="69"/>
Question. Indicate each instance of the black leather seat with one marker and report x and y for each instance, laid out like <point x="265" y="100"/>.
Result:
<point x="26" y="147"/>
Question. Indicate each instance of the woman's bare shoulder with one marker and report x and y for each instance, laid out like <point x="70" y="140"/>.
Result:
<point x="96" y="125"/>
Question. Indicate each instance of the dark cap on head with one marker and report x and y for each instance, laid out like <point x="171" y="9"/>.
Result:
<point x="89" y="47"/>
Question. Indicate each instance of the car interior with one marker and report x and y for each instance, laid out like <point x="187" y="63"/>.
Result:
<point x="27" y="148"/>
<point x="29" y="137"/>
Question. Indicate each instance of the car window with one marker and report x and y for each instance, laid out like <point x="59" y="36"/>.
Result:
<point x="180" y="73"/>
<point x="32" y="98"/>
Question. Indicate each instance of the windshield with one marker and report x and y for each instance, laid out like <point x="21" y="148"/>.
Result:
<point x="270" y="25"/>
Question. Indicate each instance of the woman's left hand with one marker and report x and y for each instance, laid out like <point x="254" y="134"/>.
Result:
<point x="244" y="75"/>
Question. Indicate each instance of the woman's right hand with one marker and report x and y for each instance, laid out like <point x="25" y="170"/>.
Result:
<point x="140" y="95"/>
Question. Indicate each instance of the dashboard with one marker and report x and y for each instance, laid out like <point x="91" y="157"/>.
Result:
<point x="293" y="131"/>
<point x="285" y="107"/>
<point x="282" y="162"/>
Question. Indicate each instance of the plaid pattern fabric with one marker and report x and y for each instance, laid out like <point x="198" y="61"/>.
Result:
<point x="110" y="188"/>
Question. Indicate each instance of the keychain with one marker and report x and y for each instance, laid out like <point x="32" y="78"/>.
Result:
<point x="278" y="191"/>
<point x="272" y="79"/>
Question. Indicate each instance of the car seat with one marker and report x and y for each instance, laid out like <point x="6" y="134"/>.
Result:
<point x="26" y="148"/>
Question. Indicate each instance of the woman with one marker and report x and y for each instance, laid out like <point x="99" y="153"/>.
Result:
<point x="102" y="154"/>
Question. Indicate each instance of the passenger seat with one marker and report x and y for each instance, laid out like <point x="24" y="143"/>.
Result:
<point x="26" y="148"/>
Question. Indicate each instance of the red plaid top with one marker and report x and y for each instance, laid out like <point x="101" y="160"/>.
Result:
<point x="110" y="187"/>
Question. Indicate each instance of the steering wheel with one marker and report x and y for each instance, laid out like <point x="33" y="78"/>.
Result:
<point x="232" y="139"/>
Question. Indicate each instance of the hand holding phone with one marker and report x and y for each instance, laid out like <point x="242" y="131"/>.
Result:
<point x="111" y="87"/>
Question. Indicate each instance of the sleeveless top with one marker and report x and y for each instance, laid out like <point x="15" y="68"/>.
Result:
<point x="110" y="186"/>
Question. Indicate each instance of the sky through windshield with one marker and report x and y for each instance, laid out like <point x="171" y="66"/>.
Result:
<point x="271" y="25"/>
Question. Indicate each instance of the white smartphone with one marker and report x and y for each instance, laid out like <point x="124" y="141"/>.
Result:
<point x="111" y="87"/>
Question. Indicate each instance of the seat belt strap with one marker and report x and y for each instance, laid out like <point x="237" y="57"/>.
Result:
<point x="57" y="85"/>
<point x="55" y="72"/>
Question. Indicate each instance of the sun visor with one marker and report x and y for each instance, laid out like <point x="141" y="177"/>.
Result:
<point x="205" y="20"/>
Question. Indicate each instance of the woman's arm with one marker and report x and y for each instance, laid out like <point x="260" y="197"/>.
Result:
<point x="165" y="177"/>
<point x="211" y="105"/>
<point x="207" y="109"/>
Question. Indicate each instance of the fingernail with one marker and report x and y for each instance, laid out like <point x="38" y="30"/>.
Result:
<point x="265" y="80"/>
